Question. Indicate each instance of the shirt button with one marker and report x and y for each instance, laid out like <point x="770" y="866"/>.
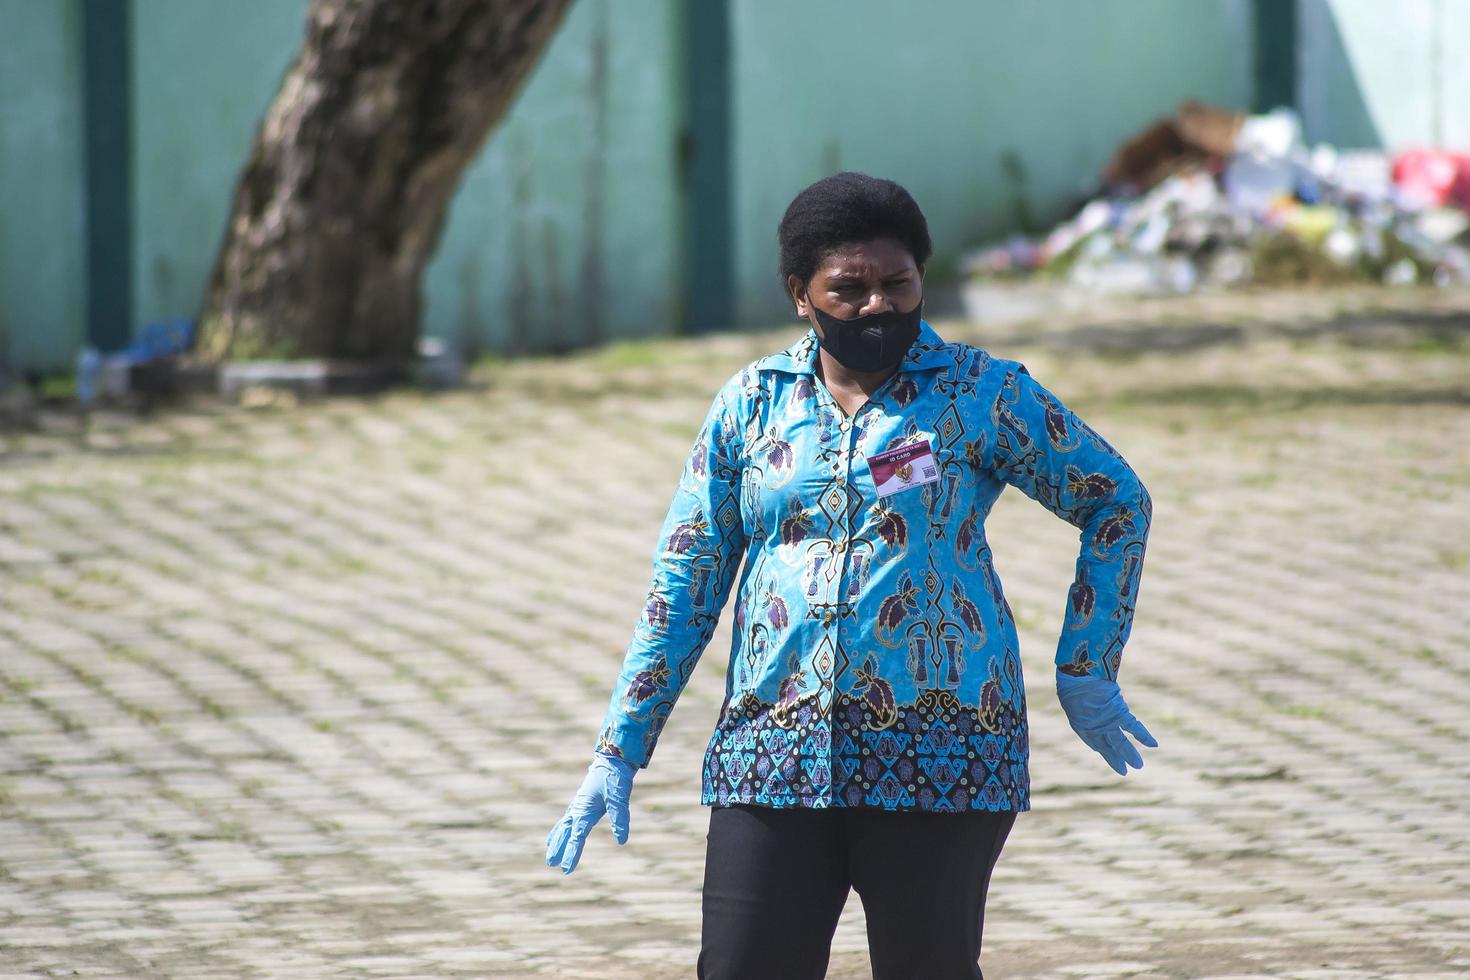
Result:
<point x="839" y="546"/>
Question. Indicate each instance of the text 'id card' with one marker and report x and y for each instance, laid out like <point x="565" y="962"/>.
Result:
<point x="906" y="466"/>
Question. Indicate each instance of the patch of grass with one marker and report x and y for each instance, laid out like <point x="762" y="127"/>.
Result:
<point x="1427" y="653"/>
<point x="640" y="353"/>
<point x="1304" y="711"/>
<point x="88" y="678"/>
<point x="215" y="709"/>
<point x="1455" y="559"/>
<point x="1361" y="661"/>
<point x="101" y="576"/>
<point x="44" y="488"/>
<point x="252" y="347"/>
<point x="131" y="654"/>
<point x="1119" y="356"/>
<point x="488" y="361"/>
<point x="174" y="795"/>
<point x="261" y="571"/>
<point x="324" y="725"/>
<point x="427" y="465"/>
<point x="1284" y="258"/>
<point x="1435" y="344"/>
<point x="165" y="568"/>
<point x="145" y="714"/>
<point x="58" y="386"/>
<point x="229" y="830"/>
<point x="352" y="565"/>
<point x="69" y="597"/>
<point x="1268" y="775"/>
<point x="29" y="581"/>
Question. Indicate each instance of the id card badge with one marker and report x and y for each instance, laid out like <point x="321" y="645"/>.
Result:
<point x="903" y="467"/>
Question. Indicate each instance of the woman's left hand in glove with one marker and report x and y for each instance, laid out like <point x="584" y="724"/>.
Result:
<point x="1100" y="717"/>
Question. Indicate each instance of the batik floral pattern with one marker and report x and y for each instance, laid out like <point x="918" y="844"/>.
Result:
<point x="874" y="658"/>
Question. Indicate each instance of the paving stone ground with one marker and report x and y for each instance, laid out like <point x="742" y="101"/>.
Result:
<point x="297" y="691"/>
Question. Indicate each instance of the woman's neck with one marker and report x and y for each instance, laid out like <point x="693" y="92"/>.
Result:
<point x="851" y="389"/>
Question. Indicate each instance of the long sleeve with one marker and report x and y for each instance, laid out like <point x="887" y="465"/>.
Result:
<point x="700" y="547"/>
<point x="1055" y="458"/>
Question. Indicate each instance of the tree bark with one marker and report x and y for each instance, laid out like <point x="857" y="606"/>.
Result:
<point x="345" y="192"/>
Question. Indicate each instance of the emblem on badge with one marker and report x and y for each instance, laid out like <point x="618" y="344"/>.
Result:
<point x="903" y="467"/>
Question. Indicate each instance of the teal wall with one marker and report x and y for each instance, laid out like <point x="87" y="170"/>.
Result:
<point x="939" y="96"/>
<point x="42" y="203"/>
<point x="571" y="225"/>
<point x="203" y="76"/>
<point x="567" y="229"/>
<point x="1385" y="74"/>
<point x="566" y="226"/>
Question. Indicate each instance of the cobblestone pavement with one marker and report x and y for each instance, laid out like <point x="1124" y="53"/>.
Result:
<point x="296" y="691"/>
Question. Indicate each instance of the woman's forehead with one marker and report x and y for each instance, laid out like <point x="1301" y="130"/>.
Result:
<point x="880" y="256"/>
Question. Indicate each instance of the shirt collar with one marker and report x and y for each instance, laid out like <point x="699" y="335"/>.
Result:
<point x="927" y="353"/>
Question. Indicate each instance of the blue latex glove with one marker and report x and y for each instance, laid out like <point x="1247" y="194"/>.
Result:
<point x="1098" y="714"/>
<point x="606" y="789"/>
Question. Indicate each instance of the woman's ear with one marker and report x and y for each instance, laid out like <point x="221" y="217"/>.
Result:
<point x="797" y="289"/>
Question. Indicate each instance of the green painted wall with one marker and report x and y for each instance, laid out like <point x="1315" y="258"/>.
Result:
<point x="567" y="228"/>
<point x="564" y="229"/>
<point x="42" y="204"/>
<point x="1385" y="74"/>
<point x="203" y="76"/>
<point x="941" y="96"/>
<point x="571" y="226"/>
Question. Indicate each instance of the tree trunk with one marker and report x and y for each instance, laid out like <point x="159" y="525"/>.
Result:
<point x="344" y="196"/>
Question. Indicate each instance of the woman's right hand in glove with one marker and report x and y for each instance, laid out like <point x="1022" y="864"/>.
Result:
<point x="606" y="789"/>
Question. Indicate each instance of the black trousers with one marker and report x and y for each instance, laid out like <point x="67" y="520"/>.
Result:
<point x="775" y="882"/>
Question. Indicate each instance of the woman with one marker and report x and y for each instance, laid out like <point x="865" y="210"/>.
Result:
<point x="873" y="734"/>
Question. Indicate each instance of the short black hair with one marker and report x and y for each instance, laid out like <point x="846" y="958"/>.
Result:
<point x="845" y="209"/>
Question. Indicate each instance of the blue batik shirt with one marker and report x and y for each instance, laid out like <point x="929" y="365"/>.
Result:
<point x="874" y="659"/>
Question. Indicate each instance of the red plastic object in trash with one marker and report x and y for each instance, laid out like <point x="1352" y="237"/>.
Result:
<point x="1434" y="176"/>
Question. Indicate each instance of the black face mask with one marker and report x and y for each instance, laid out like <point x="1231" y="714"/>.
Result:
<point x="871" y="343"/>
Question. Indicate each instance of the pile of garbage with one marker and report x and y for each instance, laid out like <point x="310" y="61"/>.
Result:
<point x="1213" y="198"/>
